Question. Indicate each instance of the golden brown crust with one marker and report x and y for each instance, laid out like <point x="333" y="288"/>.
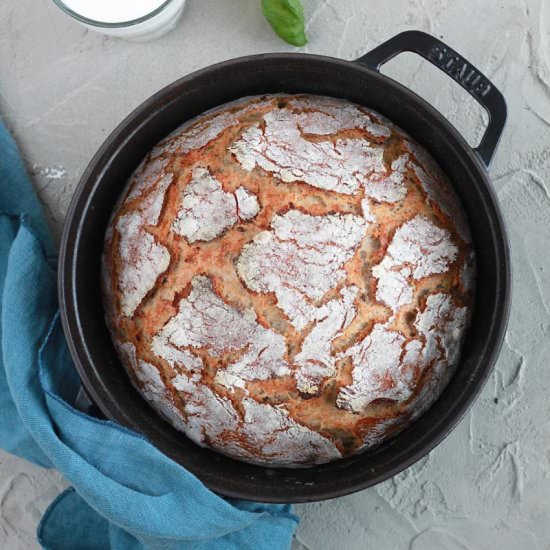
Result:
<point x="287" y="279"/>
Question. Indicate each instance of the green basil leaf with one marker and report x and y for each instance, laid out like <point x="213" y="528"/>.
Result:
<point x="286" y="18"/>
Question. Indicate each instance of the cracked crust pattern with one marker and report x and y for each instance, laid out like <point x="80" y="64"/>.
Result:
<point x="288" y="279"/>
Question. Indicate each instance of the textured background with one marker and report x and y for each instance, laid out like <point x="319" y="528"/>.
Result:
<point x="62" y="89"/>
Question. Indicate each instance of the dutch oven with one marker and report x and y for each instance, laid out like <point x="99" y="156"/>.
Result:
<point x="360" y="81"/>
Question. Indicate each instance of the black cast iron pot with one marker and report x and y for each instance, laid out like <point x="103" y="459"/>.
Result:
<point x="360" y="81"/>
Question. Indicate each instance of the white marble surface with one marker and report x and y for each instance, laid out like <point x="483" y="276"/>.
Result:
<point x="487" y="486"/>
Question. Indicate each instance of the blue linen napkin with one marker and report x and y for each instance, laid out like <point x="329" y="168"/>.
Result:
<point x="127" y="495"/>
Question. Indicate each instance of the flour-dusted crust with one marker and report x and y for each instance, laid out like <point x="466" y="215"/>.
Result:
<point x="288" y="279"/>
<point x="419" y="248"/>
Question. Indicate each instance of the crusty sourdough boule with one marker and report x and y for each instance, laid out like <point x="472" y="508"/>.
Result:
<point x="288" y="279"/>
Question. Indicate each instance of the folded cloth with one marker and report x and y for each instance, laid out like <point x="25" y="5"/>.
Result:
<point x="127" y="494"/>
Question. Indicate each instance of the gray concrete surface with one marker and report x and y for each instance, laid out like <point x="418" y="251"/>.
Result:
<point x="487" y="486"/>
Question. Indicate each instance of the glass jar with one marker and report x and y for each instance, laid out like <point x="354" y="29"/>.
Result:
<point x="148" y="26"/>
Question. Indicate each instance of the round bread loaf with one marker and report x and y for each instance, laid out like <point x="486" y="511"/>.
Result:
<point x="288" y="279"/>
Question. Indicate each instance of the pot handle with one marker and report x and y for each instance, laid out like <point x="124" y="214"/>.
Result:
<point x="459" y="69"/>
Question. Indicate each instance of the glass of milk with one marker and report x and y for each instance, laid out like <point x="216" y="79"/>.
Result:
<point x="131" y="19"/>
